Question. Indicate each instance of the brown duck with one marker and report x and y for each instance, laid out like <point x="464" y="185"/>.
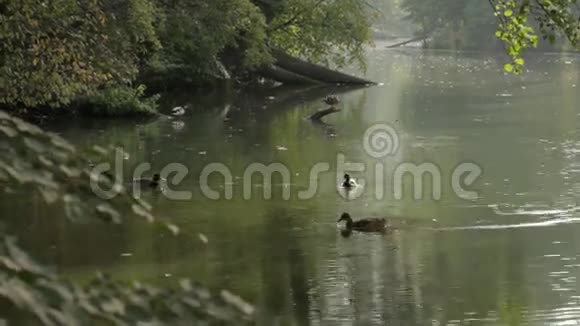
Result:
<point x="364" y="225"/>
<point x="332" y="100"/>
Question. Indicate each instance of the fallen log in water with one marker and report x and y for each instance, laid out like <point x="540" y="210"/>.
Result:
<point x="291" y="70"/>
<point x="317" y="116"/>
<point x="286" y="77"/>
<point x="415" y="39"/>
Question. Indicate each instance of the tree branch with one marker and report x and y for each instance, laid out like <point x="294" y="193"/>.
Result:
<point x="557" y="22"/>
<point x="500" y="20"/>
<point x="294" y="18"/>
<point x="317" y="116"/>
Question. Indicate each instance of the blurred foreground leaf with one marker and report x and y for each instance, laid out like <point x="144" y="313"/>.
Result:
<point x="34" y="160"/>
<point x="37" y="296"/>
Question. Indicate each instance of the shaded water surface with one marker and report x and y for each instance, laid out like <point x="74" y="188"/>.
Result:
<point x="510" y="257"/>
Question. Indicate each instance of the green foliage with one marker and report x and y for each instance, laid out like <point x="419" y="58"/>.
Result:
<point x="33" y="160"/>
<point x="53" y="51"/>
<point x="194" y="34"/>
<point x="515" y="32"/>
<point x="553" y="17"/>
<point x="119" y="100"/>
<point x="329" y="32"/>
<point x="516" y="22"/>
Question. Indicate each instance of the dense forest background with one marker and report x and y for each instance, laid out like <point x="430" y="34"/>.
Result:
<point x="460" y="25"/>
<point x="98" y="54"/>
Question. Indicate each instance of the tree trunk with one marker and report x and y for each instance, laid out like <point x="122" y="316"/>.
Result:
<point x="285" y="76"/>
<point x="415" y="39"/>
<point x="291" y="70"/>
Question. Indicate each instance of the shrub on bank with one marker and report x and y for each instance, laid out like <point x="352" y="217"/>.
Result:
<point x="118" y="100"/>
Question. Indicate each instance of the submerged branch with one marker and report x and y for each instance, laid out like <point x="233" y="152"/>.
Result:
<point x="415" y="39"/>
<point x="317" y="116"/>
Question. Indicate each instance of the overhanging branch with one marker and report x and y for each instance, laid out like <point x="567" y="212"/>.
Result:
<point x="294" y="18"/>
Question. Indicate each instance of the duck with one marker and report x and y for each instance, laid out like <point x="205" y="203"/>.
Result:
<point x="364" y="225"/>
<point x="332" y="100"/>
<point x="178" y="111"/>
<point x="149" y="182"/>
<point x="349" y="182"/>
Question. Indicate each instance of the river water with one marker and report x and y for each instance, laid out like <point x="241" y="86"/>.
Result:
<point x="501" y="249"/>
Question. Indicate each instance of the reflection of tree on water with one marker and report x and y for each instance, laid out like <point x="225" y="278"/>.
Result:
<point x="400" y="280"/>
<point x="371" y="278"/>
<point x="481" y="274"/>
<point x="272" y="102"/>
<point x="285" y="269"/>
<point x="299" y="285"/>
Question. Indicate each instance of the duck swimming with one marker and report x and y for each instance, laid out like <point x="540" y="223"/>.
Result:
<point x="349" y="182"/>
<point x="149" y="182"/>
<point x="332" y="100"/>
<point x="364" y="225"/>
<point x="178" y="111"/>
